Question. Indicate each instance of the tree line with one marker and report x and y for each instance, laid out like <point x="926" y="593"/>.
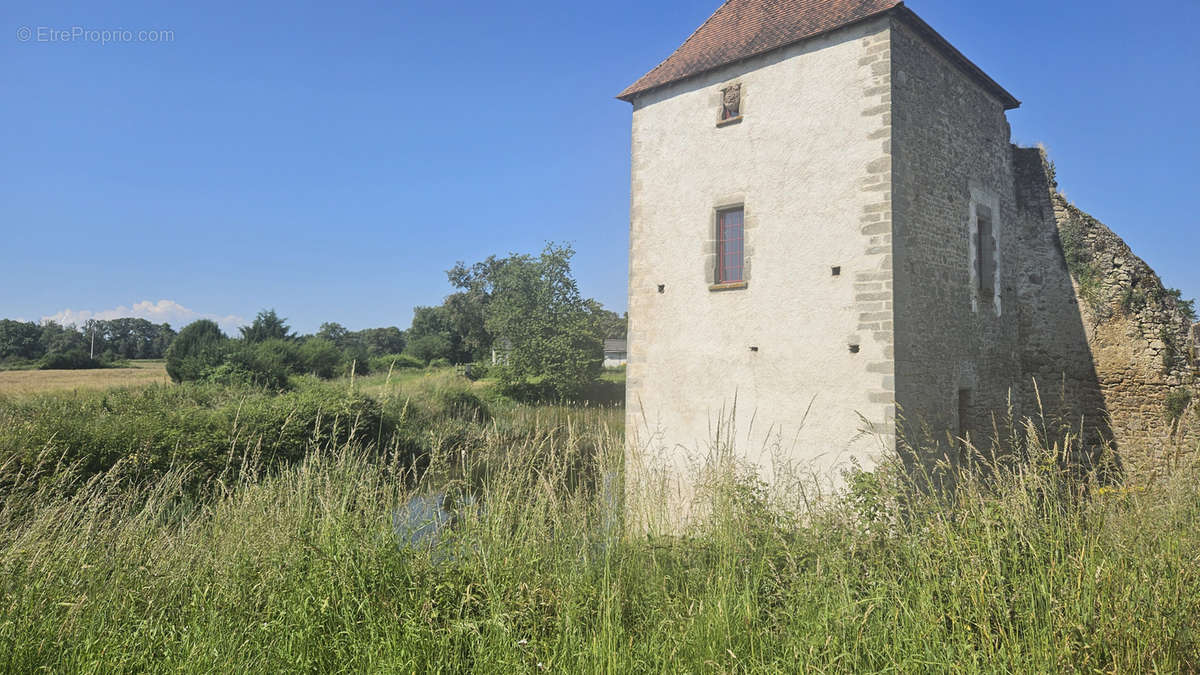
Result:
<point x="524" y="312"/>
<point x="96" y="343"/>
<point x="520" y="317"/>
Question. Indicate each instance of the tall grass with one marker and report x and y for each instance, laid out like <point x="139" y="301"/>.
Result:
<point x="301" y="569"/>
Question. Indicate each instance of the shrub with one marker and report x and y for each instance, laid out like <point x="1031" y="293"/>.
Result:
<point x="199" y="348"/>
<point x="478" y="370"/>
<point x="440" y="363"/>
<point x="383" y="364"/>
<point x="429" y="347"/>
<point x="213" y="428"/>
<point x="71" y="359"/>
<point x="321" y="358"/>
<point x="269" y="363"/>
<point x="463" y="404"/>
<point x="1177" y="403"/>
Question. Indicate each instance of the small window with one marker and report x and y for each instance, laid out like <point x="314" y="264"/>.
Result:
<point x="730" y="257"/>
<point x="985" y="254"/>
<point x="731" y="102"/>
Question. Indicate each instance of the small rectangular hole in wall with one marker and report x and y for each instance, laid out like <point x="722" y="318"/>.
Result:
<point x="662" y="288"/>
<point x="854" y="349"/>
<point x="837" y="271"/>
<point x="964" y="410"/>
<point x="754" y="349"/>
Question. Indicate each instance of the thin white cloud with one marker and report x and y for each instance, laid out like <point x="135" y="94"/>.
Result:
<point x="163" y="311"/>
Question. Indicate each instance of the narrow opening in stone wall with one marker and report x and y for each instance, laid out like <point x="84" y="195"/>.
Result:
<point x="985" y="255"/>
<point x="964" y="412"/>
<point x="837" y="271"/>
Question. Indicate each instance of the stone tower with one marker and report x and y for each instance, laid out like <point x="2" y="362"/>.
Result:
<point x="833" y="245"/>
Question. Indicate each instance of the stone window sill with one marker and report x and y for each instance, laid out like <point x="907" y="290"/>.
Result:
<point x="730" y="121"/>
<point x="731" y="286"/>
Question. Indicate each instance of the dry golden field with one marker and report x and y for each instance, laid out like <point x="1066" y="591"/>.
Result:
<point x="25" y="382"/>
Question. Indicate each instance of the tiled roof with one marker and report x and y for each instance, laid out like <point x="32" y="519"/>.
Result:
<point x="740" y="29"/>
<point x="743" y="28"/>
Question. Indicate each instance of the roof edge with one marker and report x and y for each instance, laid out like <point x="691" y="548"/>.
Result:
<point x="629" y="92"/>
<point x="926" y="31"/>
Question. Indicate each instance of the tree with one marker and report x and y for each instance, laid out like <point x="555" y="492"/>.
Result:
<point x="429" y="347"/>
<point x="267" y="325"/>
<point x="197" y="350"/>
<point x="432" y="335"/>
<point x="535" y="304"/>
<point x="57" y="338"/>
<point x="321" y="357"/>
<point x="20" y="340"/>
<point x="609" y="323"/>
<point x="379" y="341"/>
<point x="333" y="332"/>
<point x="467" y="309"/>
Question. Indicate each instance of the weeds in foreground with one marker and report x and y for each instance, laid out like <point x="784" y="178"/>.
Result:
<point x="301" y="569"/>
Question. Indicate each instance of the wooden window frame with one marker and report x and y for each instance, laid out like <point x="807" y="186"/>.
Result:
<point x="724" y="276"/>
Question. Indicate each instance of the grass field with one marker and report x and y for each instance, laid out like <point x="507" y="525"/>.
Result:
<point x="25" y="382"/>
<point x="199" y="529"/>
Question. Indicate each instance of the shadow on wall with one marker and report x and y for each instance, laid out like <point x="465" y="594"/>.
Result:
<point x="1061" y="390"/>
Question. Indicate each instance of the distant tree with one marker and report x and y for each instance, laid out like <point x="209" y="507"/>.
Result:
<point x="321" y="357"/>
<point x="432" y="335"/>
<point x="267" y="325"/>
<point x="58" y="338"/>
<point x="536" y="306"/>
<point x="609" y="323"/>
<point x="379" y="341"/>
<point x="20" y="340"/>
<point x="334" y="332"/>
<point x="429" y="347"/>
<point x="196" y="351"/>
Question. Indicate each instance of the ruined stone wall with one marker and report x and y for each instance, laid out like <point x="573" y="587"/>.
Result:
<point x="1138" y="337"/>
<point x="952" y="156"/>
<point x="1135" y="365"/>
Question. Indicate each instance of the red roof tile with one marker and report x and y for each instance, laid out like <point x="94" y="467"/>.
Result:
<point x="743" y="28"/>
<point x="740" y="29"/>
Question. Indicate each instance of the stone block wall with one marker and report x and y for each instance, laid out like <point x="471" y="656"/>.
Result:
<point x="1058" y="374"/>
<point x="956" y="352"/>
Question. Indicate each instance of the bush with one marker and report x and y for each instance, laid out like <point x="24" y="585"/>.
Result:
<point x="321" y="358"/>
<point x="478" y="370"/>
<point x="429" y="347"/>
<point x="383" y="364"/>
<point x="269" y="363"/>
<point x="71" y="359"/>
<point x="463" y="404"/>
<point x="440" y="363"/>
<point x="197" y="350"/>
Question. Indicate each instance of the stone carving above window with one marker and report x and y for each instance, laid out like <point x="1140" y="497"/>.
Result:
<point x="731" y="102"/>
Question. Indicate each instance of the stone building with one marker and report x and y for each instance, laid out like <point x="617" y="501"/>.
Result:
<point x="834" y="245"/>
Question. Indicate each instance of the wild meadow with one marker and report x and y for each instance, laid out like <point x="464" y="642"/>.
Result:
<point x="204" y="528"/>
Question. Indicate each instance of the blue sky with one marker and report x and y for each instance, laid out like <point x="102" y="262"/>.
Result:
<point x="331" y="160"/>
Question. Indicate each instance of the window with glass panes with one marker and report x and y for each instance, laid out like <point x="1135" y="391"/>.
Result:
<point x="730" y="258"/>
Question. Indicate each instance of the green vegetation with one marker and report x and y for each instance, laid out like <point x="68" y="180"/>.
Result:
<point x="51" y="346"/>
<point x="1178" y="402"/>
<point x="1080" y="264"/>
<point x="205" y="528"/>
